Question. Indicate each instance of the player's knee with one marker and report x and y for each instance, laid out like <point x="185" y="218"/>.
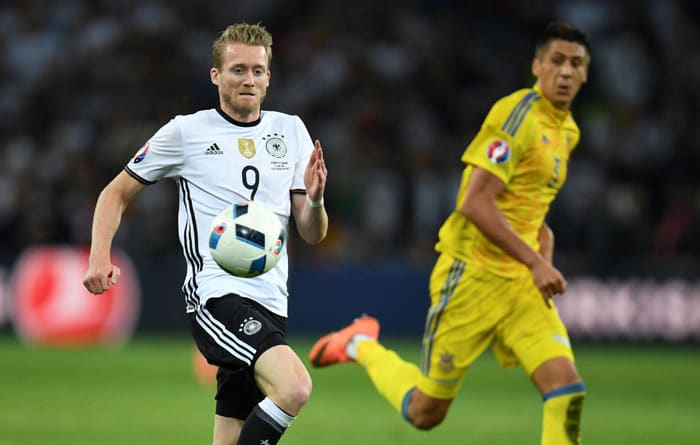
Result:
<point x="427" y="421"/>
<point x="292" y="397"/>
<point x="427" y="418"/>
<point x="555" y="373"/>
<point x="299" y="395"/>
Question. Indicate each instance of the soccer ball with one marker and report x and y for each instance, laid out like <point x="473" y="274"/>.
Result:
<point x="246" y="239"/>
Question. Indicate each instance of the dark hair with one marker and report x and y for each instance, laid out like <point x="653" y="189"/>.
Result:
<point x="561" y="31"/>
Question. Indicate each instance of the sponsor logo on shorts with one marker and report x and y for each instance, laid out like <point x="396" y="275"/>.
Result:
<point x="250" y="326"/>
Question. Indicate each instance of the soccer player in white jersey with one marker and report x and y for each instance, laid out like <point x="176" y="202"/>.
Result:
<point x="235" y="152"/>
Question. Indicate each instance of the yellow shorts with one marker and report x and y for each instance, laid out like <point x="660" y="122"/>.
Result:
<point x="472" y="310"/>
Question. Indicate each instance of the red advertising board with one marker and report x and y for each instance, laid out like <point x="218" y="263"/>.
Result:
<point x="51" y="307"/>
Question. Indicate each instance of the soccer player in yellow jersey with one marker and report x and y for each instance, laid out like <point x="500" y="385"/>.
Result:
<point x="494" y="280"/>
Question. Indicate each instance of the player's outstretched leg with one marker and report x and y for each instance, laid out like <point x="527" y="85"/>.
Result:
<point x="393" y="377"/>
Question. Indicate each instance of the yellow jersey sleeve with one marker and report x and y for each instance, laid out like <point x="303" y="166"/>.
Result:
<point x="495" y="148"/>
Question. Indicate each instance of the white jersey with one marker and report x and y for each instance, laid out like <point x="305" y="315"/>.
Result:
<point x="216" y="161"/>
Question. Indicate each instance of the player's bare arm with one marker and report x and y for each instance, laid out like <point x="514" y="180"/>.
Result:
<point x="309" y="213"/>
<point x="479" y="205"/>
<point x="115" y="197"/>
<point x="546" y="240"/>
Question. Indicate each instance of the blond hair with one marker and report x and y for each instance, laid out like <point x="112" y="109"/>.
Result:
<point x="255" y="35"/>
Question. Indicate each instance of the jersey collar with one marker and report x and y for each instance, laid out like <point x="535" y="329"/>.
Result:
<point x="237" y="123"/>
<point x="556" y="113"/>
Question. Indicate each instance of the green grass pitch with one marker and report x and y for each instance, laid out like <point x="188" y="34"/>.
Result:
<point x="145" y="393"/>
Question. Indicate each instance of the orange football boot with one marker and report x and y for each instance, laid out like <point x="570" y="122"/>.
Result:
<point x="331" y="348"/>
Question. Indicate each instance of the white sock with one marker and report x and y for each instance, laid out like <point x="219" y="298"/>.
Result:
<point x="277" y="413"/>
<point x="351" y="348"/>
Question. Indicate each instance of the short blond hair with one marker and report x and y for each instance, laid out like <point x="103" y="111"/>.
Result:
<point x="255" y="35"/>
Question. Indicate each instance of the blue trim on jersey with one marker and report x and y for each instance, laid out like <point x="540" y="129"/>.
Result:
<point x="404" y="404"/>
<point x="565" y="390"/>
<point x="522" y="116"/>
<point x="516" y="117"/>
<point x="516" y="110"/>
<point x="433" y="320"/>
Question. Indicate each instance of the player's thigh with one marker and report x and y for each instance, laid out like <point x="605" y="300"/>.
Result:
<point x="283" y="378"/>
<point x="458" y="328"/>
<point x="533" y="331"/>
<point x="233" y="332"/>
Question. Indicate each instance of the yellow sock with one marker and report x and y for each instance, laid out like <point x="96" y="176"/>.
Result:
<point x="393" y="377"/>
<point x="562" y="415"/>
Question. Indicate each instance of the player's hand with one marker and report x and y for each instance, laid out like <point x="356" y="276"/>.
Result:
<point x="316" y="173"/>
<point x="99" y="278"/>
<point x="548" y="280"/>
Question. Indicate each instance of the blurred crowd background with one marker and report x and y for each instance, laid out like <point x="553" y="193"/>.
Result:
<point x="395" y="90"/>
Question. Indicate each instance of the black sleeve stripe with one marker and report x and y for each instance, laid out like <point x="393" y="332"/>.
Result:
<point x="134" y="175"/>
<point x="191" y="248"/>
<point x="297" y="192"/>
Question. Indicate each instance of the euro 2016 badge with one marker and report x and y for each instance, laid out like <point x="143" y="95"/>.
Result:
<point x="138" y="157"/>
<point x="498" y="152"/>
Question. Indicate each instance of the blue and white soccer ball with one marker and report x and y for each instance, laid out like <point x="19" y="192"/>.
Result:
<point x="247" y="239"/>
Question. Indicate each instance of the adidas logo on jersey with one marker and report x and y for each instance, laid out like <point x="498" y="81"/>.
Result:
<point x="213" y="150"/>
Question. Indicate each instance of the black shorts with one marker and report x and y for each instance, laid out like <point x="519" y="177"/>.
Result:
<point x="231" y="332"/>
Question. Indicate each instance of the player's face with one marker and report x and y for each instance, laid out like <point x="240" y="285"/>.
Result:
<point x="560" y="71"/>
<point x="242" y="80"/>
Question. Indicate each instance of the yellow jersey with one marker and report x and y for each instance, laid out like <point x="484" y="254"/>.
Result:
<point x="526" y="142"/>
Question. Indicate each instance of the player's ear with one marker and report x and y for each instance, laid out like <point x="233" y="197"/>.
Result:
<point x="584" y="76"/>
<point x="536" y="67"/>
<point x="214" y="75"/>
